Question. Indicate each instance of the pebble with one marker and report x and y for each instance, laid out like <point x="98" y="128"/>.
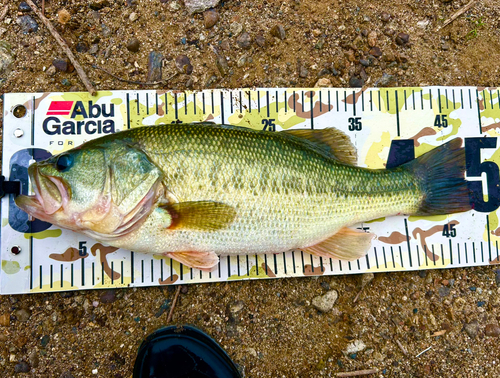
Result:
<point x="244" y="41"/>
<point x="278" y="31"/>
<point x="195" y="6"/>
<point x="210" y="18"/>
<point x="423" y="24"/>
<point x="63" y="16"/>
<point x="163" y="307"/>
<point x="28" y="24"/>
<point x="21" y="367"/>
<point x="109" y="296"/>
<point x="24" y="7"/>
<point x="184" y="289"/>
<point x="444" y="291"/>
<point x="402" y="39"/>
<point x="241" y="62"/>
<point x="497" y="276"/>
<point x="472" y="328"/>
<point x="154" y="66"/>
<point x="492" y="330"/>
<point x="356" y="82"/>
<point x="386" y="80"/>
<point x="303" y="72"/>
<point x="364" y="62"/>
<point x="183" y="64"/>
<point x="375" y="51"/>
<point x="81" y="47"/>
<point x="51" y="71"/>
<point x="222" y="65"/>
<point x="22" y="314"/>
<point x="63" y="65"/>
<point x="355" y="346"/>
<point x="324" y="303"/>
<point x="133" y="45"/>
<point x="94" y="48"/>
<point x="385" y="17"/>
<point x="44" y="341"/>
<point x="235" y="28"/>
<point x="234" y="308"/>
<point x="372" y="38"/>
<point x="5" y="320"/>
<point x="33" y="358"/>
<point x="323" y="83"/>
<point x="366" y="278"/>
<point x="133" y="16"/>
<point x="260" y="40"/>
<point x="175" y="6"/>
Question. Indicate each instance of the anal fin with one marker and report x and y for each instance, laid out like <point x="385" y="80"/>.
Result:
<point x="346" y="244"/>
<point x="200" y="260"/>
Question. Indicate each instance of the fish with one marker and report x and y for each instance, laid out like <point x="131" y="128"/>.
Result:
<point x="193" y="192"/>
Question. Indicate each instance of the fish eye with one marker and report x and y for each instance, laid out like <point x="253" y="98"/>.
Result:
<point x="64" y="162"/>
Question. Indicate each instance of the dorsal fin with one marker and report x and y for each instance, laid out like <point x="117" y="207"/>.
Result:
<point x="330" y="140"/>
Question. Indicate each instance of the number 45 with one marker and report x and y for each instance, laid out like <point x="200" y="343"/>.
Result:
<point x="441" y="121"/>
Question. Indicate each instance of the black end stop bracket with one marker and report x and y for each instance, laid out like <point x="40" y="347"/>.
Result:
<point x="9" y="187"/>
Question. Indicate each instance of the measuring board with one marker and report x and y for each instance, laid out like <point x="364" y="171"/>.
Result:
<point x="388" y="126"/>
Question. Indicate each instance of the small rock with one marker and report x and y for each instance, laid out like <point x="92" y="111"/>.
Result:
<point x="235" y="28"/>
<point x="174" y="5"/>
<point x="445" y="46"/>
<point x="389" y="56"/>
<point x="94" y="48"/>
<point x="278" y="31"/>
<point x="355" y="346"/>
<point x="133" y="45"/>
<point x="44" y="341"/>
<point x="472" y="328"/>
<point x="402" y="39"/>
<point x="492" y="330"/>
<point x="260" y="40"/>
<point x="81" y="47"/>
<point x="106" y="31"/>
<point x="234" y="308"/>
<point x="303" y="72"/>
<point x="423" y="24"/>
<point x="364" y="62"/>
<point x="24" y="7"/>
<point x="163" y="308"/>
<point x="221" y="64"/>
<point x="33" y="358"/>
<point x="195" y="6"/>
<point x="28" y="24"/>
<point x="51" y="71"/>
<point x="183" y="64"/>
<point x="184" y="289"/>
<point x="252" y="352"/>
<point x="210" y="18"/>
<point x="23" y="315"/>
<point x="497" y="277"/>
<point x="386" y="80"/>
<point x="241" y="62"/>
<point x="356" y="82"/>
<point x="63" y="16"/>
<point x="244" y="41"/>
<point x="5" y="320"/>
<point x="366" y="278"/>
<point x="133" y="17"/>
<point x="211" y="80"/>
<point x="109" y="296"/>
<point x="385" y="17"/>
<point x="155" y="60"/>
<point x="444" y="291"/>
<point x="323" y="83"/>
<point x="21" y="367"/>
<point x="324" y="303"/>
<point x="372" y="38"/>
<point x="375" y="51"/>
<point x="63" y="65"/>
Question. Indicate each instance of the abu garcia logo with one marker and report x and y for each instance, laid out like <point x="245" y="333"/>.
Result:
<point x="89" y="118"/>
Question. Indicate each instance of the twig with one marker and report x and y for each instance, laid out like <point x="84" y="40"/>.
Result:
<point x="422" y="352"/>
<point x="64" y="46"/>
<point x="357" y="373"/>
<point x="43" y="7"/>
<point x="173" y="304"/>
<point x="439" y="333"/>
<point x="133" y="81"/>
<point x="4" y="12"/>
<point x="455" y="15"/>
<point x="403" y="349"/>
<point x="357" y="296"/>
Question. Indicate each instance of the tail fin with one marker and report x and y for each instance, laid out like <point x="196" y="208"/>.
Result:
<point x="442" y="178"/>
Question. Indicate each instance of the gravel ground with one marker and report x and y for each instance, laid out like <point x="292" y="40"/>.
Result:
<point x="270" y="328"/>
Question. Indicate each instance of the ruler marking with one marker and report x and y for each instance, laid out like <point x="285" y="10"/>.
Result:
<point x="446" y="98"/>
<point x="176" y="108"/>
<point x="161" y="270"/>
<point x="228" y="266"/>
<point x="387" y="99"/>
<point x="204" y="102"/>
<point x="430" y="97"/>
<point x="51" y="276"/>
<point x="320" y="264"/>
<point x="275" y="265"/>
<point x="231" y="100"/>
<point x="397" y="111"/>
<point x="349" y="266"/>
<point x="265" y="262"/>
<point x="320" y="102"/>
<point x="478" y="111"/>
<point x="277" y="103"/>
<point x="212" y="101"/>
<point x="284" y="262"/>
<point x="137" y="104"/>
<point x="147" y="103"/>
<point x="312" y="109"/>
<point x="62" y="275"/>
<point x="112" y="271"/>
<point x="362" y="100"/>
<point x="268" y="104"/>
<point x="191" y="273"/>
<point x="329" y="101"/>
<point x="406" y="107"/>
<point x="286" y="102"/>
<point x="442" y="255"/>
<point x="482" y="252"/>
<point x="171" y="270"/>
<point x="248" y="266"/>
<point x="376" y="256"/>
<point x="156" y="103"/>
<point x="121" y="272"/>
<point x="498" y="98"/>
<point x="142" y="271"/>
<point x="222" y="106"/>
<point x="359" y="266"/>
<point x="345" y="101"/>
<point x="458" y="252"/>
<point x="249" y="103"/>
<point x="485" y="103"/>
<point x="219" y="268"/>
<point x="257" y="265"/>
<point x="72" y="275"/>
<point x="31" y="257"/>
<point x="408" y="242"/>
<point x="241" y="102"/>
<point x="33" y="104"/>
<point x="439" y="99"/>
<point x="498" y="258"/>
<point x="367" y="261"/>
<point x="451" y="253"/>
<point x="303" y="101"/>
<point x="426" y="258"/>
<point x="433" y="255"/>
<point x="185" y="103"/>
<point x="418" y="255"/>
<point x="371" y="101"/>
<point x="312" y="263"/>
<point x="132" y="266"/>
<point x="41" y="277"/>
<point x="354" y="103"/>
<point x="491" y="98"/>
<point x="461" y="98"/>
<point x="102" y="273"/>
<point x="302" y="258"/>
<point x="238" y="264"/>
<point x="340" y="265"/>
<point x="489" y="240"/>
<point x="293" y="262"/>
<point x="379" y="101"/>
<point x="422" y="99"/>
<point x="413" y="97"/>
<point x="337" y="96"/>
<point x="128" y="110"/>
<point x="466" y="256"/>
<point x="152" y="270"/>
<point x="392" y="254"/>
<point x="470" y="99"/>
<point x="83" y="272"/>
<point x="453" y="94"/>
<point x="401" y="256"/>
<point x="181" y="268"/>
<point x="258" y="101"/>
<point x="331" y="264"/>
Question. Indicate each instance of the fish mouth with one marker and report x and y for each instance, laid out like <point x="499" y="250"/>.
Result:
<point x="50" y="196"/>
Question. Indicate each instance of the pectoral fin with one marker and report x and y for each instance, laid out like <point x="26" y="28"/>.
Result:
<point x="200" y="215"/>
<point x="346" y="244"/>
<point x="200" y="260"/>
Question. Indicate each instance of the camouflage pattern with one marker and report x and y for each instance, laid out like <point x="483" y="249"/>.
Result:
<point x="54" y="260"/>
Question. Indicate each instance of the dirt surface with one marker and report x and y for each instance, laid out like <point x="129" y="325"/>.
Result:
<point x="269" y="328"/>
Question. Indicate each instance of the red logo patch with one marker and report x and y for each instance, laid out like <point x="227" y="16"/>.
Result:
<point x="60" y="107"/>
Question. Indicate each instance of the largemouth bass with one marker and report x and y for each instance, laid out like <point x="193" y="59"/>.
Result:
<point x="196" y="191"/>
